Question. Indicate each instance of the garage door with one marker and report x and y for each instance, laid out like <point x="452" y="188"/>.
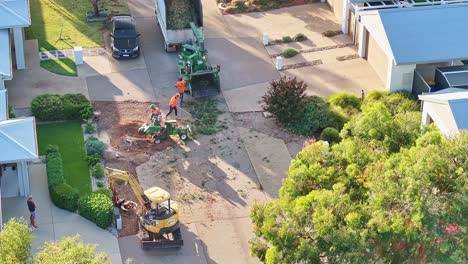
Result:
<point x="337" y="8"/>
<point x="377" y="58"/>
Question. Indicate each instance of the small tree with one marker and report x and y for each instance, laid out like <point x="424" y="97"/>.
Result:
<point x="285" y="99"/>
<point x="69" y="250"/>
<point x="15" y="242"/>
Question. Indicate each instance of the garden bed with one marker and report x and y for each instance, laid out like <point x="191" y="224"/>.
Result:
<point x="247" y="6"/>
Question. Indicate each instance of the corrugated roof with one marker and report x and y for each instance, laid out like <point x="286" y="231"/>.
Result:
<point x="18" y="140"/>
<point x="14" y="13"/>
<point x="5" y="61"/>
<point x="459" y="109"/>
<point x="427" y="34"/>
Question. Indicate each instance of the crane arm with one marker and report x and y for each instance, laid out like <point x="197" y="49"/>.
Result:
<point x="114" y="174"/>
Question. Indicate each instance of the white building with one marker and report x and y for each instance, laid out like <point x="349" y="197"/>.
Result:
<point x="18" y="135"/>
<point x="399" y="37"/>
<point x="447" y="109"/>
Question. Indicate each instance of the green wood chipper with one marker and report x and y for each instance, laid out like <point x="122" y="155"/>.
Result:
<point x="202" y="77"/>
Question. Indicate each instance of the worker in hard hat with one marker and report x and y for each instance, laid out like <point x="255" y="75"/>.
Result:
<point x="173" y="104"/>
<point x="180" y="85"/>
<point x="155" y="112"/>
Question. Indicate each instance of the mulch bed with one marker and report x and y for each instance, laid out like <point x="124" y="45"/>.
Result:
<point x="259" y="8"/>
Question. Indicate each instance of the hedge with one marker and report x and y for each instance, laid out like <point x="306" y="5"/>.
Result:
<point x="47" y="107"/>
<point x="63" y="195"/>
<point x="73" y="105"/>
<point x="96" y="207"/>
<point x="51" y="107"/>
<point x="54" y="166"/>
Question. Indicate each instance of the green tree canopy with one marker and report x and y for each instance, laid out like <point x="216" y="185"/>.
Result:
<point x="388" y="192"/>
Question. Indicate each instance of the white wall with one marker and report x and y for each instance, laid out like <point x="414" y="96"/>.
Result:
<point x="441" y="115"/>
<point x="400" y="77"/>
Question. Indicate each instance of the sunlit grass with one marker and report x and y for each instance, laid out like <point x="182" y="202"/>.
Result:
<point x="61" y="24"/>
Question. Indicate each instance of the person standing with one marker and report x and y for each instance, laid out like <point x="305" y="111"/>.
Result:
<point x="181" y="88"/>
<point x="32" y="210"/>
<point x="173" y="104"/>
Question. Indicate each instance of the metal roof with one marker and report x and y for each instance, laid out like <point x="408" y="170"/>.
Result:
<point x="14" y="13"/>
<point x="5" y="61"/>
<point x="427" y="34"/>
<point x="18" y="140"/>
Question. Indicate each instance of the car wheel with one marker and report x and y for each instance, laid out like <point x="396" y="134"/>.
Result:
<point x="183" y="136"/>
<point x="157" y="140"/>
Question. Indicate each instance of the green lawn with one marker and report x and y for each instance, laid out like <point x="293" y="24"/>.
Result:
<point x="49" y="15"/>
<point x="65" y="66"/>
<point x="69" y="137"/>
<point x="465" y="62"/>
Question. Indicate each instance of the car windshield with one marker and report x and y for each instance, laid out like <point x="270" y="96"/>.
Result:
<point x="124" y="29"/>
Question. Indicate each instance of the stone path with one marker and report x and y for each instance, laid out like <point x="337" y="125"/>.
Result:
<point x="68" y="53"/>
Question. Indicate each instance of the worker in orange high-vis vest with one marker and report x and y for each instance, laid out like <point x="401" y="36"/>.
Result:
<point x="173" y="104"/>
<point x="180" y="85"/>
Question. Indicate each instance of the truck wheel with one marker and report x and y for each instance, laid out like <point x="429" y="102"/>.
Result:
<point x="157" y="140"/>
<point x="183" y="136"/>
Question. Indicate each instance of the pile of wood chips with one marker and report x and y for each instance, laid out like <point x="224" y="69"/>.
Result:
<point x="179" y="14"/>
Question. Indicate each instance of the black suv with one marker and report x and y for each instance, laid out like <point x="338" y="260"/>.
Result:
<point x="124" y="38"/>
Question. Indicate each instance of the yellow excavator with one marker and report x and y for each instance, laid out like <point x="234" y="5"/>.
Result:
<point x="159" y="215"/>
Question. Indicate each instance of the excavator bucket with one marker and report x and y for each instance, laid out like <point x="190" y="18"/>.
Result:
<point x="161" y="244"/>
<point x="204" y="83"/>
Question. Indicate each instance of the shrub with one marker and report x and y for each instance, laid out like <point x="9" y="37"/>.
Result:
<point x="100" y="184"/>
<point x="98" y="171"/>
<point x="331" y="135"/>
<point x="332" y="33"/>
<point x="285" y="99"/>
<point x="397" y="102"/>
<point x="91" y="138"/>
<point x="239" y="4"/>
<point x="86" y="112"/>
<point x="286" y="39"/>
<point x="289" y="53"/>
<point x="64" y="196"/>
<point x="345" y="100"/>
<point x="93" y="159"/>
<point x="54" y="166"/>
<point x="11" y="114"/>
<point x="317" y="116"/>
<point x="89" y="128"/>
<point x="104" y="191"/>
<point x="73" y="104"/>
<point x="96" y="207"/>
<point x="94" y="147"/>
<point x="300" y="37"/>
<point x="47" y="107"/>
